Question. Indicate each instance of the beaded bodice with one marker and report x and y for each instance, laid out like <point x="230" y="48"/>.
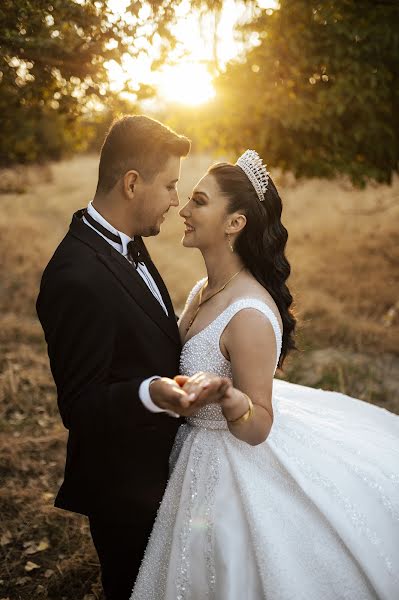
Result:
<point x="202" y="353"/>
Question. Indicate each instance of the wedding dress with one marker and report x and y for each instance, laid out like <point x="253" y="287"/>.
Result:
<point x="310" y="514"/>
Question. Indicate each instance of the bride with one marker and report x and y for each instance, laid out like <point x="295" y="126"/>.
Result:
<point x="279" y="491"/>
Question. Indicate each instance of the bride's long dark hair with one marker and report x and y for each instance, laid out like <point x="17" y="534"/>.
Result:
<point x="261" y="244"/>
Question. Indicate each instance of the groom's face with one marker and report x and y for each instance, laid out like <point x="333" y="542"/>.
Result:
<point x="154" y="198"/>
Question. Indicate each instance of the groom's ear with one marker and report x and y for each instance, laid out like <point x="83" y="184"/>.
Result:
<point x="129" y="183"/>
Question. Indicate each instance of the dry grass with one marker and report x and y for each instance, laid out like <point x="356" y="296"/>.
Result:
<point x="344" y="258"/>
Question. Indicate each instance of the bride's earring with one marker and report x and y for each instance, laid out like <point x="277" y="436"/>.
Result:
<point x="229" y="241"/>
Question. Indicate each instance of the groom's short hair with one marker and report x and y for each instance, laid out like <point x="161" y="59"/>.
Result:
<point x="140" y="143"/>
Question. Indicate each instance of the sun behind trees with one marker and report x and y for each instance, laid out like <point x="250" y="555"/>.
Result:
<point x="317" y="91"/>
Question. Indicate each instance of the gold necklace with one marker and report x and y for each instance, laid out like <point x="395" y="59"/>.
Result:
<point x="201" y="302"/>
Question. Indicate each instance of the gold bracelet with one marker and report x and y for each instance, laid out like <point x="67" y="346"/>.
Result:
<point x="247" y="415"/>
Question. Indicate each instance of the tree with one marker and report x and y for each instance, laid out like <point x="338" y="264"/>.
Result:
<point x="319" y="94"/>
<point x="52" y="68"/>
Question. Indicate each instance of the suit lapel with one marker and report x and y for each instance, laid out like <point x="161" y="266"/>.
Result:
<point x="129" y="278"/>
<point x="135" y="286"/>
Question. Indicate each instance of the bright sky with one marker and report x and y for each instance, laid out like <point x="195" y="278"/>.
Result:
<point x="188" y="77"/>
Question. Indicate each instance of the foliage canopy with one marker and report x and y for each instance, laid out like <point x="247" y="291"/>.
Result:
<point x="319" y="94"/>
<point x="52" y="69"/>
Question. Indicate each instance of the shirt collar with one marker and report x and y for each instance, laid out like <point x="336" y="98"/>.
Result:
<point x="125" y="239"/>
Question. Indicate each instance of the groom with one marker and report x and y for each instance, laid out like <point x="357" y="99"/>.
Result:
<point x="111" y="333"/>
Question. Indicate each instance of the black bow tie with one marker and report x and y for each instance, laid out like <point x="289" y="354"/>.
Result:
<point x="136" y="251"/>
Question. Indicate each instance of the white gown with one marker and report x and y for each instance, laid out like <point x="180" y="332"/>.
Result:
<point x="310" y="514"/>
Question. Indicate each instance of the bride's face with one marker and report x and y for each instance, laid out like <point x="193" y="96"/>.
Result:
<point x="205" y="215"/>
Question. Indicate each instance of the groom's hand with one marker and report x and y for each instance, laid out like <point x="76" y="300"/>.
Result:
<point x="168" y="395"/>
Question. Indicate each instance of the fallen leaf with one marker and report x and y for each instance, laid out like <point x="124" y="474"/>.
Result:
<point x="48" y="573"/>
<point x="30" y="566"/>
<point x="32" y="547"/>
<point x="6" y="538"/>
<point x="43" y="545"/>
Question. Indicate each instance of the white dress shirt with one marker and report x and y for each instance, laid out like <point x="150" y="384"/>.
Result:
<point x="144" y="391"/>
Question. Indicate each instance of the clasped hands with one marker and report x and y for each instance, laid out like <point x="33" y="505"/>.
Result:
<point x="186" y="395"/>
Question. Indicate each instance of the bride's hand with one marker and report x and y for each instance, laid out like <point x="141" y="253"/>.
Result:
<point x="204" y="388"/>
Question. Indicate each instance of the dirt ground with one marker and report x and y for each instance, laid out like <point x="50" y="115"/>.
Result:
<point x="344" y="252"/>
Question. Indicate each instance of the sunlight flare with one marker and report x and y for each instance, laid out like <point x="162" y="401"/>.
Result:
<point x="187" y="83"/>
<point x="205" y="43"/>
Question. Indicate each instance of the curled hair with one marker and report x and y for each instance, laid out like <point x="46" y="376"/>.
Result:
<point x="140" y="143"/>
<point x="261" y="244"/>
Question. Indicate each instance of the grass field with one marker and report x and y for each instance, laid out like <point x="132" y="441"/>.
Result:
<point x="344" y="252"/>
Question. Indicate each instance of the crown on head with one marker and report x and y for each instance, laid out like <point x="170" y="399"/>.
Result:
<point x="251" y="163"/>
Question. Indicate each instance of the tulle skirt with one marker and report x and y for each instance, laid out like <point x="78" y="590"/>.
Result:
<point x="312" y="513"/>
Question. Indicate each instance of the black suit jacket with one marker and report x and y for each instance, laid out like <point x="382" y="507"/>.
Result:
<point x="106" y="333"/>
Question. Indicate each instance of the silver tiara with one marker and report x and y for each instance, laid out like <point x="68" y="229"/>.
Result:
<point x="251" y="163"/>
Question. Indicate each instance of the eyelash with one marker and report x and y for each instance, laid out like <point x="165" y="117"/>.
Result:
<point x="197" y="202"/>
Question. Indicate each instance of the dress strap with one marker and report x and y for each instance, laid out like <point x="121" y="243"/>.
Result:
<point x="225" y="317"/>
